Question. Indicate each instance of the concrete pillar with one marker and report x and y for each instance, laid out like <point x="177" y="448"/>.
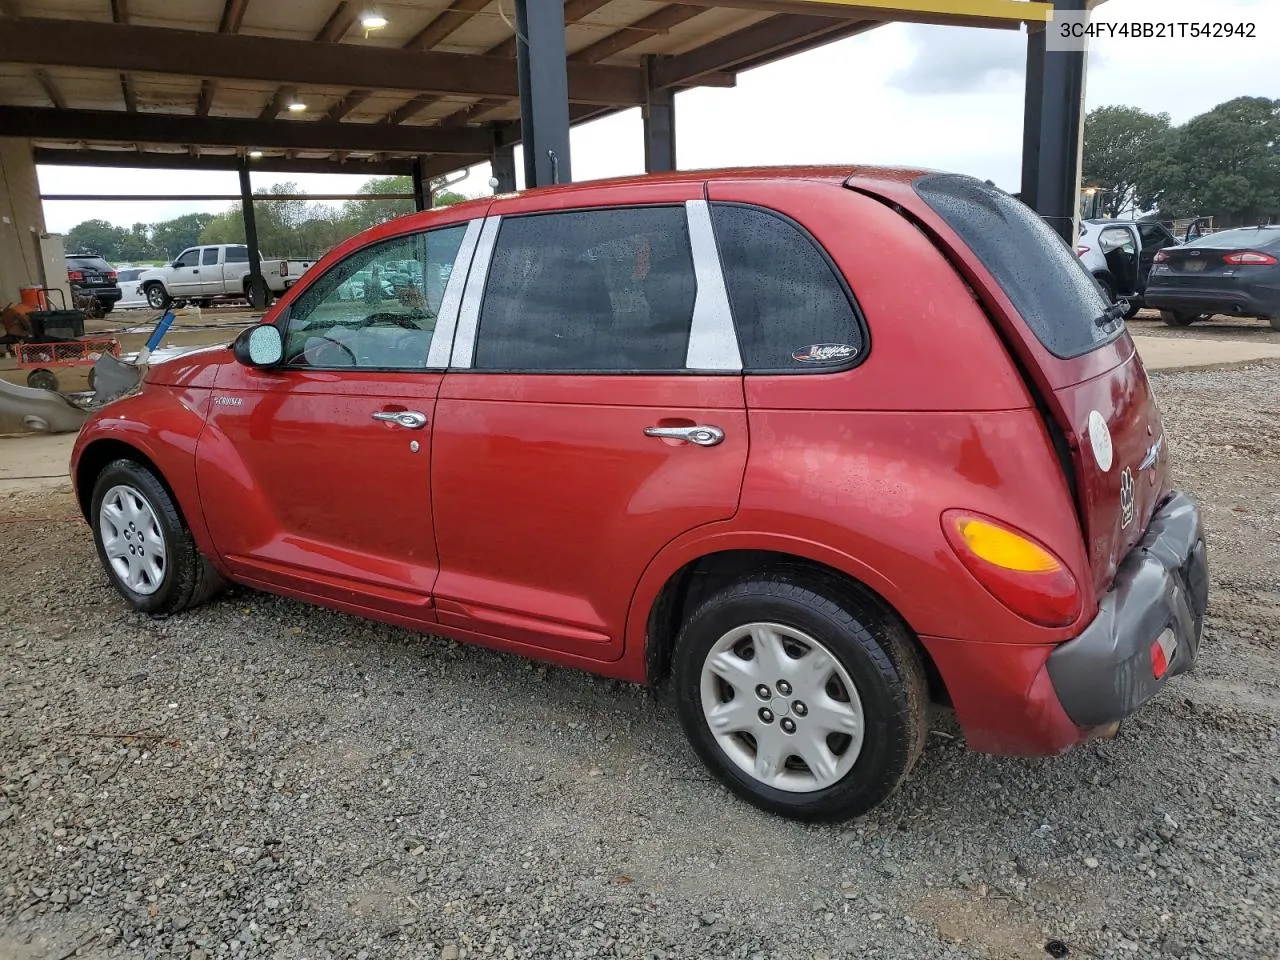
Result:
<point x="1053" y="120"/>
<point x="544" y="91"/>
<point x="21" y="222"/>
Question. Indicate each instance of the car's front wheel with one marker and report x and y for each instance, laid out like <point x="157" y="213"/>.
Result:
<point x="144" y="543"/>
<point x="800" y="696"/>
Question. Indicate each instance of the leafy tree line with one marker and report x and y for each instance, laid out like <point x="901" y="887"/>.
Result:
<point x="286" y="228"/>
<point x="1224" y="163"/>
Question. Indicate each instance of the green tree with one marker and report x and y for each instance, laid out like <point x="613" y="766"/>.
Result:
<point x="1124" y="149"/>
<point x="135" y="244"/>
<point x="360" y="215"/>
<point x="1226" y="164"/>
<point x="95" y="236"/>
<point x="171" y="237"/>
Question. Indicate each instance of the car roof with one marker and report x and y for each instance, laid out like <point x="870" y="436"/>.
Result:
<point x="834" y="174"/>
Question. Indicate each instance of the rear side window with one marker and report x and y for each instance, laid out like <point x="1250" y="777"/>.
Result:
<point x="791" y="309"/>
<point x="237" y="255"/>
<point x="592" y="290"/>
<point x="1046" y="282"/>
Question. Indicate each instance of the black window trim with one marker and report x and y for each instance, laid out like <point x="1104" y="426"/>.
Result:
<point x="577" y="371"/>
<point x="286" y="316"/>
<point x="858" y="316"/>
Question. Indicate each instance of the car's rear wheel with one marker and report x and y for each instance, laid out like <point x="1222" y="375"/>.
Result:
<point x="157" y="299"/>
<point x="144" y="543"/>
<point x="1134" y="307"/>
<point x="801" y="697"/>
<point x="1176" y="318"/>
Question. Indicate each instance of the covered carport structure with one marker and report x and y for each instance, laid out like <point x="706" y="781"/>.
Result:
<point x="320" y="86"/>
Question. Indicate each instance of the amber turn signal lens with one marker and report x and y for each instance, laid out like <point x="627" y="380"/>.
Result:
<point x="1019" y="572"/>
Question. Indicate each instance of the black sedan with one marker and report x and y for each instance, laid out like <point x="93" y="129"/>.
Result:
<point x="1235" y="272"/>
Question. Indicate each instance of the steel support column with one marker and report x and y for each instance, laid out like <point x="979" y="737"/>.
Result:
<point x="659" y="125"/>
<point x="420" y="199"/>
<point x="257" y="285"/>
<point x="1052" y="127"/>
<point x="503" y="163"/>
<point x="544" y="91"/>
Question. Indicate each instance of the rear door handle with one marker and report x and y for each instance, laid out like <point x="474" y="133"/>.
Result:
<point x="702" y="434"/>
<point x="409" y="419"/>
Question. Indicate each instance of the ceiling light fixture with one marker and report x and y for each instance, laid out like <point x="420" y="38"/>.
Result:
<point x="255" y="154"/>
<point x="373" y="21"/>
<point x="296" y="106"/>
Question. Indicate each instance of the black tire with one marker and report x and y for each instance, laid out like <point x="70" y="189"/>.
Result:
<point x="1134" y="307"/>
<point x="188" y="579"/>
<point x="1174" y="318"/>
<point x="106" y="308"/>
<point x="157" y="297"/>
<point x="876" y="653"/>
<point x="42" y="380"/>
<point x="1108" y="287"/>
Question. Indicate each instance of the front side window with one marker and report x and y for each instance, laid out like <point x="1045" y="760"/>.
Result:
<point x="790" y="307"/>
<point x="189" y="258"/>
<point x="210" y="257"/>
<point x="377" y="308"/>
<point x="594" y="290"/>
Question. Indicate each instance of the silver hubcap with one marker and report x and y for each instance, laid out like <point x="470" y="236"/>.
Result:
<point x="782" y="707"/>
<point x="132" y="539"/>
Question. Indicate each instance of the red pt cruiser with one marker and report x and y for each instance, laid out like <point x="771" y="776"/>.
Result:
<point x="817" y="445"/>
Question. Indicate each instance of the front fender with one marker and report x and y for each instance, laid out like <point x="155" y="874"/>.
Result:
<point x="162" y="425"/>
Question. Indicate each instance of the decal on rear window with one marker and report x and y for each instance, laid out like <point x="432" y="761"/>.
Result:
<point x="825" y="353"/>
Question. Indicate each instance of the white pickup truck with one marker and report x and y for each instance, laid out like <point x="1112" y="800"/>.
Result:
<point x="203" y="274"/>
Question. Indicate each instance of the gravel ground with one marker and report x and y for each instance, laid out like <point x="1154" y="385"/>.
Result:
<point x="262" y="778"/>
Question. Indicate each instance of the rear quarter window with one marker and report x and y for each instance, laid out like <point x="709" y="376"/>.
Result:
<point x="1044" y="279"/>
<point x="792" y="310"/>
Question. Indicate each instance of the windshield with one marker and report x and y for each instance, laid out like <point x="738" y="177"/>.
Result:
<point x="1046" y="282"/>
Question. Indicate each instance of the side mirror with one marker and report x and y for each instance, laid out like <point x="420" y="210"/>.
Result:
<point x="260" y="346"/>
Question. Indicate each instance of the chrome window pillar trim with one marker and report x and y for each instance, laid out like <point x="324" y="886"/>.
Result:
<point x="464" y="341"/>
<point x="447" y="319"/>
<point x="713" y="342"/>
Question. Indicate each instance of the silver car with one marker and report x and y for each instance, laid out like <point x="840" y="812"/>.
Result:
<point x="1119" y="254"/>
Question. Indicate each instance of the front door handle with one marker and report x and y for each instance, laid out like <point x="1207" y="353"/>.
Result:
<point x="409" y="419"/>
<point x="702" y="434"/>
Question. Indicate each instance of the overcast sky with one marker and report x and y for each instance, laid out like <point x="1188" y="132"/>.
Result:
<point x="939" y="97"/>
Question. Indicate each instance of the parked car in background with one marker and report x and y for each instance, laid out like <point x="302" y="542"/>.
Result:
<point x="204" y="274"/>
<point x="131" y="295"/>
<point x="1119" y="254"/>
<point x="813" y="445"/>
<point x="94" y="287"/>
<point x="1235" y="272"/>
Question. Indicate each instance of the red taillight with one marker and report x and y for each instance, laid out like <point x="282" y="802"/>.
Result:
<point x="1162" y="651"/>
<point x="111" y="277"/>
<point x="1019" y="572"/>
<point x="1081" y="251"/>
<point x="284" y="268"/>
<point x="1162" y="256"/>
<point x="75" y="274"/>
<point x="1250" y="258"/>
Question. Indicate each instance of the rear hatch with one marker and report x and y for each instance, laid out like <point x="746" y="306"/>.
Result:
<point x="1073" y="350"/>
<point x="90" y="271"/>
<point x="1220" y="261"/>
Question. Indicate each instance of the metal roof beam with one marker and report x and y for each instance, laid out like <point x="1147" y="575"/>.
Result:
<point x="112" y="126"/>
<point x="238" y="56"/>
<point x="1009" y="14"/>
<point x="50" y="156"/>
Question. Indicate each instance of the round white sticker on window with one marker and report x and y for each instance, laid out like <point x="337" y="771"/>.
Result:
<point x="1100" y="440"/>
